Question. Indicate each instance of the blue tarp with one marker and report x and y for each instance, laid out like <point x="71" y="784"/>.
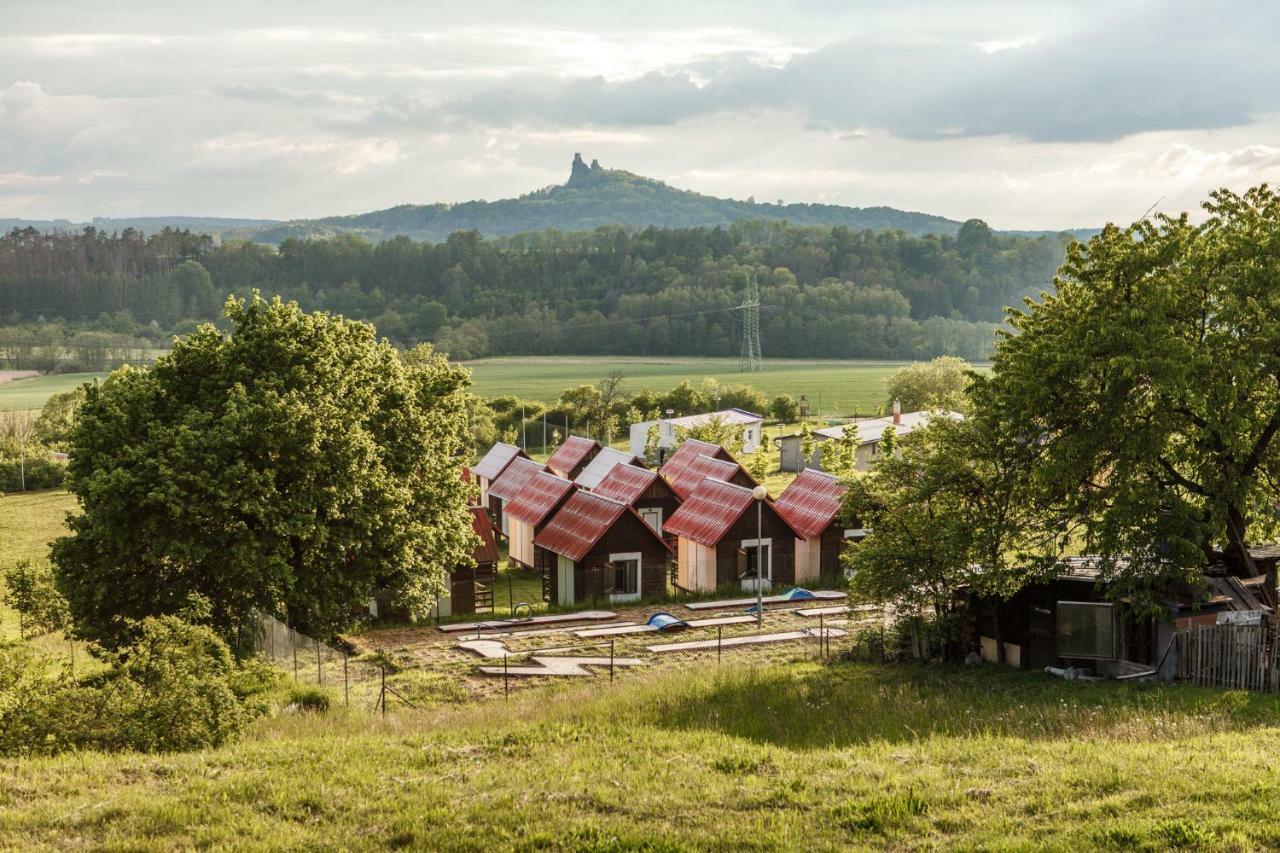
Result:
<point x="666" y="622"/>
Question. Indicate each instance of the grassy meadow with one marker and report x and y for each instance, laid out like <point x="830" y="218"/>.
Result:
<point x="32" y="393"/>
<point x="28" y="523"/>
<point x="806" y="757"/>
<point x="833" y="387"/>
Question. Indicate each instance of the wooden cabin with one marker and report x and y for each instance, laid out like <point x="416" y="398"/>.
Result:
<point x="717" y="541"/>
<point x="572" y="456"/>
<point x="595" y="548"/>
<point x="642" y="490"/>
<point x="504" y="489"/>
<point x="490" y="468"/>
<point x="471" y="587"/>
<point x="811" y="505"/>
<point x="595" y="470"/>
<point x="700" y="468"/>
<point x="528" y="511"/>
<point x="690" y="449"/>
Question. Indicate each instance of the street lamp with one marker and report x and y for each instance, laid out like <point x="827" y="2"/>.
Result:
<point x="759" y="493"/>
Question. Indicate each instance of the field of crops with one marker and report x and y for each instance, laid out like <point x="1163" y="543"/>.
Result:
<point x="833" y="387"/>
<point x="32" y="393"/>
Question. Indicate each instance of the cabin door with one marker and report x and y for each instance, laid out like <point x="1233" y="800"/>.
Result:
<point x="757" y="573"/>
<point x="652" y="516"/>
<point x="564" y="580"/>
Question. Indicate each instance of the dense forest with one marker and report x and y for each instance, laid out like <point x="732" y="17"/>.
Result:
<point x="826" y="291"/>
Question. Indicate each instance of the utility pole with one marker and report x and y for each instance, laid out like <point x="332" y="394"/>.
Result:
<point x="750" y="308"/>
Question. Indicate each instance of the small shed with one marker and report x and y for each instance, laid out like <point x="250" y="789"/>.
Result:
<point x="642" y="490"/>
<point x="529" y="510"/>
<point x="504" y="489"/>
<point x="868" y="433"/>
<point x="717" y="540"/>
<point x="703" y="467"/>
<point x="689" y="450"/>
<point x="598" y="548"/>
<point x="603" y="462"/>
<point x="470" y="587"/>
<point x="669" y="429"/>
<point x="491" y="466"/>
<point x="572" y="456"/>
<point x="811" y="504"/>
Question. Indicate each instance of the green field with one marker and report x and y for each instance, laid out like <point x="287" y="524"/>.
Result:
<point x="28" y="523"/>
<point x="32" y="393"/>
<point x="833" y="387"/>
<point x="806" y="757"/>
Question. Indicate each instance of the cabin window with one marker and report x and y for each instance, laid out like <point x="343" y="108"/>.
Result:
<point x="1086" y="629"/>
<point x="765" y="554"/>
<point x="652" y="516"/>
<point x="624" y="576"/>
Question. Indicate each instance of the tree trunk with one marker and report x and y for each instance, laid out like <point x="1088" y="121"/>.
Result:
<point x="1236" y="553"/>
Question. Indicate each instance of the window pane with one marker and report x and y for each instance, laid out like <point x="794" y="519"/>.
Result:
<point x="1086" y="630"/>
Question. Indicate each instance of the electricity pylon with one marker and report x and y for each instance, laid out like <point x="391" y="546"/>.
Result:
<point x="750" y="307"/>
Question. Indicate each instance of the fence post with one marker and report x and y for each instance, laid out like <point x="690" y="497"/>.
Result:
<point x="511" y="596"/>
<point x="382" y="696"/>
<point x="319" y="673"/>
<point x="822" y="635"/>
<point x="611" y="659"/>
<point x="719" y="630"/>
<point x="346" y="686"/>
<point x="294" y="646"/>
<point x="506" y="684"/>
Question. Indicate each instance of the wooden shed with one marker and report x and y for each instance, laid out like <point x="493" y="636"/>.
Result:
<point x="490" y="468"/>
<point x="689" y="450"/>
<point x="642" y="490"/>
<point x="598" y="548"/>
<point x="572" y="456"/>
<point x="504" y="489"/>
<point x="529" y="510"/>
<point x="471" y="587"/>
<point x="700" y="468"/>
<point x="717" y="542"/>
<point x="811" y="505"/>
<point x="597" y="468"/>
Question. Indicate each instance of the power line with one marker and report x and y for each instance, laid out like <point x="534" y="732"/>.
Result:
<point x="750" y="307"/>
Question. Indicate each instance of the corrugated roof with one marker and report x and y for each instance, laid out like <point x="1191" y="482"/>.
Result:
<point x="514" y="479"/>
<point x="700" y="469"/>
<point x="729" y="416"/>
<point x="496" y="461"/>
<point x="625" y="483"/>
<point x="811" y="502"/>
<point x="581" y="522"/>
<point x="538" y="498"/>
<point x="709" y="512"/>
<point x="872" y="429"/>
<point x="487" y="551"/>
<point x="596" y="469"/>
<point x="570" y="454"/>
<point x="689" y="450"/>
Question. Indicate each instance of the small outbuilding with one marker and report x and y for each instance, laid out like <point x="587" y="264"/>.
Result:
<point x="869" y="433"/>
<point x="689" y="450"/>
<point x="717" y="542"/>
<point x="812" y="504"/>
<point x="491" y="466"/>
<point x="505" y="489"/>
<point x="572" y="456"/>
<point x="669" y="429"/>
<point x="598" y="548"/>
<point x="471" y="587"/>
<point x="642" y="490"/>
<point x="529" y="510"/>
<point x="602" y="464"/>
<point x="703" y="467"/>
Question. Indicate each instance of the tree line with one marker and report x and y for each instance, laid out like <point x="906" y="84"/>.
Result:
<point x="827" y="292"/>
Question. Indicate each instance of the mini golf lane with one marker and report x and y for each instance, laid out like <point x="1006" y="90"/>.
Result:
<point x="646" y="628"/>
<point x="750" y="640"/>
<point x="544" y="665"/>
<point x="785" y="598"/>
<point x="554" y="619"/>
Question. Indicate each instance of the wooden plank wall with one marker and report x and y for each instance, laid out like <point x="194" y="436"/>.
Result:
<point x="1240" y="657"/>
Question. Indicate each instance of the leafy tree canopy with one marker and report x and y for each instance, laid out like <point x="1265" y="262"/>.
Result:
<point x="939" y="383"/>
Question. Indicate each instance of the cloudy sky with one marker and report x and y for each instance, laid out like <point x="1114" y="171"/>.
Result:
<point x="1030" y="115"/>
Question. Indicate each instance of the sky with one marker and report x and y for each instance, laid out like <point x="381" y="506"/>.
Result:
<point x="1026" y="114"/>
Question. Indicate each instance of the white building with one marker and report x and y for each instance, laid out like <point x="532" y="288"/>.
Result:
<point x="869" y="433"/>
<point x="751" y="423"/>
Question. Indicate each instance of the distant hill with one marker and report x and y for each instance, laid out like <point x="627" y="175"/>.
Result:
<point x="591" y="197"/>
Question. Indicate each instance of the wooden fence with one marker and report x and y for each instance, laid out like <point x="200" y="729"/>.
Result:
<point x="1242" y="657"/>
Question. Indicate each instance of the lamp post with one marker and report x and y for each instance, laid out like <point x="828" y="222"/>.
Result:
<point x="759" y="493"/>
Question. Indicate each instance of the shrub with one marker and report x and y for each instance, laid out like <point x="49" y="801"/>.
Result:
<point x="29" y="590"/>
<point x="40" y="471"/>
<point x="309" y="699"/>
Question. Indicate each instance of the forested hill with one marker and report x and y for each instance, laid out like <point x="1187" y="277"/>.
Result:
<point x="592" y="196"/>
<point x="828" y="291"/>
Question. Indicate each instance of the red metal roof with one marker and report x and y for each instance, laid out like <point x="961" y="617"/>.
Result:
<point x="514" y="479"/>
<point x="710" y="511"/>
<point x="581" y="522"/>
<point x="812" y="501"/>
<point x="688" y="451"/>
<point x="625" y="483"/>
<point x="571" y="454"/>
<point x="496" y="461"/>
<point x="590" y="476"/>
<point x="699" y="469"/>
<point x="536" y="501"/>
<point x="487" y="551"/>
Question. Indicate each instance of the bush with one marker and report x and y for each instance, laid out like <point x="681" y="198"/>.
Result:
<point x="309" y="699"/>
<point x="40" y="472"/>
<point x="69" y="364"/>
<point x="29" y="589"/>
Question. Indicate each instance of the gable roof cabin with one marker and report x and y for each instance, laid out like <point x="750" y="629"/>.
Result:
<point x="811" y="505"/>
<point x="597" y="468"/>
<point x="669" y="428"/>
<point x="642" y="490"/>
<point x="512" y="482"/>
<point x="529" y="510"/>
<point x="868" y="434"/>
<point x="704" y="467"/>
<point x="688" y="451"/>
<point x="491" y="466"/>
<point x="716" y="537"/>
<point x="487" y="551"/>
<point x="572" y="456"/>
<point x="595" y="546"/>
<point x="470" y="587"/>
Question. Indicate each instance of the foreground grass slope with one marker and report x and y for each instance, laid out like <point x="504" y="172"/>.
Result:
<point x="801" y="758"/>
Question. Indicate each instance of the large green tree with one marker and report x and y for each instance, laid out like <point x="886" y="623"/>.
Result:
<point x="293" y="465"/>
<point x="1149" y="386"/>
